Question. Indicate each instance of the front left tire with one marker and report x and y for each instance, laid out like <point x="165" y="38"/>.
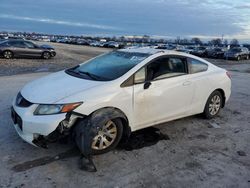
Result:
<point x="107" y="137"/>
<point x="97" y="136"/>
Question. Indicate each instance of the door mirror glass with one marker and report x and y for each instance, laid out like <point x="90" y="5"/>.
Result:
<point x="140" y="76"/>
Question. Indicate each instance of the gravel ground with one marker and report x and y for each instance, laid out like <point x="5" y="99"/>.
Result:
<point x="198" y="153"/>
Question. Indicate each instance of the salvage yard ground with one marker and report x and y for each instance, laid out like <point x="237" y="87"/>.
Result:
<point x="198" y="153"/>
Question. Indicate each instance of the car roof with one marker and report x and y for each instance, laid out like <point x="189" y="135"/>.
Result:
<point x="152" y="51"/>
<point x="145" y="50"/>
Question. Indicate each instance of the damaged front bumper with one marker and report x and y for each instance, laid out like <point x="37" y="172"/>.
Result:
<point x="39" y="130"/>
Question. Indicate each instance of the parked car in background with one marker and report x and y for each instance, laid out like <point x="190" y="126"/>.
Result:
<point x="166" y="47"/>
<point x="189" y="49"/>
<point x="216" y="53"/>
<point x="24" y="48"/>
<point x="140" y="87"/>
<point x="247" y="46"/>
<point x="237" y="53"/>
<point x="200" y="51"/>
<point x="82" y="42"/>
<point x="111" y="44"/>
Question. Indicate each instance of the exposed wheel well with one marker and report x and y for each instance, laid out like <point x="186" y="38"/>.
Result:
<point x="223" y="96"/>
<point x="116" y="113"/>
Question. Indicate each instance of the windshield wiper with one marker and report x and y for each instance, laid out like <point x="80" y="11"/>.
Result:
<point x="80" y="73"/>
<point x="94" y="77"/>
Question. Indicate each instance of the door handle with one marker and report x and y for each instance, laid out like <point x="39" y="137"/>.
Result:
<point x="147" y="85"/>
<point x="187" y="83"/>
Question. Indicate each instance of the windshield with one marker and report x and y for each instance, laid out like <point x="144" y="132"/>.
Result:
<point x="108" y="66"/>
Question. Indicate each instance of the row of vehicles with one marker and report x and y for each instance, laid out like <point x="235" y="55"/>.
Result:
<point x="95" y="43"/>
<point x="235" y="53"/>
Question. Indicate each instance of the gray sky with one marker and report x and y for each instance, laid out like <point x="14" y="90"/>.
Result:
<point x="185" y="18"/>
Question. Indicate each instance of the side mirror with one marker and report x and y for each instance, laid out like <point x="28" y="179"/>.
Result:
<point x="147" y="85"/>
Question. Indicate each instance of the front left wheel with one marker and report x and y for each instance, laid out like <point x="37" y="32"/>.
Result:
<point x="213" y="105"/>
<point x="97" y="135"/>
<point x="107" y="137"/>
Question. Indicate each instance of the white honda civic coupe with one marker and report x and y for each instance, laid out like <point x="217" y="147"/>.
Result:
<point x="119" y="92"/>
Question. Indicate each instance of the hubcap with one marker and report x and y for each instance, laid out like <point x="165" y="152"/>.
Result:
<point x="7" y="54"/>
<point x="214" y="105"/>
<point x="46" y="55"/>
<point x="105" y="137"/>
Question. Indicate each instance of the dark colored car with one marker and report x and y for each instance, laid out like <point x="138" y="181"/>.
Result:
<point x="216" y="53"/>
<point x="200" y="51"/>
<point x="111" y="44"/>
<point x="23" y="48"/>
<point x="237" y="53"/>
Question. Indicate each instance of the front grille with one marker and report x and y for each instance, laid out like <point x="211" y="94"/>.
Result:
<point x="16" y="118"/>
<point x="21" y="101"/>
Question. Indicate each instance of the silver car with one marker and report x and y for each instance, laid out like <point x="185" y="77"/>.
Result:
<point x="23" y="48"/>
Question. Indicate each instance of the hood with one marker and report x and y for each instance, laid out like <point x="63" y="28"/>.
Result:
<point x="55" y="87"/>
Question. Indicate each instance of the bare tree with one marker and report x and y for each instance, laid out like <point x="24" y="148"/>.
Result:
<point x="234" y="42"/>
<point x="216" y="42"/>
<point x="196" y="40"/>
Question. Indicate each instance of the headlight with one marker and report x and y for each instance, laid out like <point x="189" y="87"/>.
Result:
<point x="48" y="109"/>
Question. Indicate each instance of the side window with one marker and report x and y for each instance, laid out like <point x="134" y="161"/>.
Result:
<point x="140" y="76"/>
<point x="29" y="44"/>
<point x="196" y="66"/>
<point x="18" y="44"/>
<point x="166" y="67"/>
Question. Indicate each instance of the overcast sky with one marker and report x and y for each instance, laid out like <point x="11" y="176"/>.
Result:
<point x="184" y="18"/>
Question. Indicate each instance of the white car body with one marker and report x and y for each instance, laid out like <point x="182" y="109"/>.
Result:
<point x="165" y="100"/>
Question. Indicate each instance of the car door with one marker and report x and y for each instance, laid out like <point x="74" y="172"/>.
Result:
<point x="164" y="94"/>
<point x="199" y="76"/>
<point x="32" y="50"/>
<point x="17" y="47"/>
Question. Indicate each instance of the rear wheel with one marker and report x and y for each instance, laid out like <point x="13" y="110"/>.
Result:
<point x="238" y="58"/>
<point x="46" y="55"/>
<point x="213" y="105"/>
<point x="8" y="54"/>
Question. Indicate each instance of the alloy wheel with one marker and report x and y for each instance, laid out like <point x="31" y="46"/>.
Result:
<point x="46" y="55"/>
<point x="214" y="105"/>
<point x="7" y="54"/>
<point x="105" y="137"/>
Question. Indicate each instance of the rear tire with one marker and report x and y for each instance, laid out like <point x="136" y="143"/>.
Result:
<point x="238" y="58"/>
<point x="46" y="55"/>
<point x="8" y="54"/>
<point x="213" y="105"/>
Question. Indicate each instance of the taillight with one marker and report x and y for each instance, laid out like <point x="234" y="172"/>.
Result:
<point x="229" y="75"/>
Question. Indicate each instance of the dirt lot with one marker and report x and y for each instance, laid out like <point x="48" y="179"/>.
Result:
<point x="198" y="153"/>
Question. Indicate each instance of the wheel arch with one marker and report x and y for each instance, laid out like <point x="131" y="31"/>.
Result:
<point x="222" y="92"/>
<point x="113" y="113"/>
<point x="7" y="50"/>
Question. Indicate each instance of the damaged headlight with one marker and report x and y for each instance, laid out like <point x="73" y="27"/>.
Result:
<point x="48" y="109"/>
